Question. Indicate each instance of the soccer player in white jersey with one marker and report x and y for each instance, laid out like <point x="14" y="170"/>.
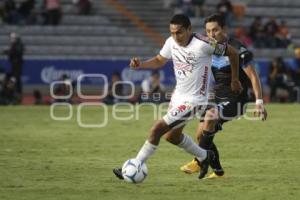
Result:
<point x="191" y="55"/>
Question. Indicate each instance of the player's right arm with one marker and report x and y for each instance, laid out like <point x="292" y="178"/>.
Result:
<point x="233" y="56"/>
<point x="156" y="62"/>
<point x="153" y="63"/>
<point x="225" y="49"/>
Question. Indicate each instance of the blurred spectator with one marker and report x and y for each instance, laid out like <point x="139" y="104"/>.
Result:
<point x="8" y="93"/>
<point x="256" y="33"/>
<point x="2" y="11"/>
<point x="187" y="7"/>
<point x="224" y="7"/>
<point x="84" y="6"/>
<point x="15" y="56"/>
<point x="118" y="90"/>
<point x="27" y="12"/>
<point x="9" y="12"/>
<point x="38" y="98"/>
<point x="241" y="34"/>
<point x="283" y="36"/>
<point x="63" y="89"/>
<point x="280" y="81"/>
<point x="270" y="35"/>
<point x="296" y="72"/>
<point x="271" y="28"/>
<point x="152" y="89"/>
<point x="199" y="7"/>
<point x="52" y="12"/>
<point x="2" y="75"/>
<point x="169" y="3"/>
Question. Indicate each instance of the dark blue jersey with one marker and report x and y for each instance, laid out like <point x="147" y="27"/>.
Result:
<point x="222" y="73"/>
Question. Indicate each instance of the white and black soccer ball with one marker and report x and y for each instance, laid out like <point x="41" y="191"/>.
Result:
<point x="134" y="171"/>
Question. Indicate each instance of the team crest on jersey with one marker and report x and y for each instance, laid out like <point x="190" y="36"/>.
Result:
<point x="204" y="82"/>
<point x="190" y="57"/>
<point x="184" y="60"/>
<point x="184" y="64"/>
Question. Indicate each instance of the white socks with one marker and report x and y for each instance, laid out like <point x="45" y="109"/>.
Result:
<point x="187" y="144"/>
<point x="191" y="147"/>
<point x="146" y="151"/>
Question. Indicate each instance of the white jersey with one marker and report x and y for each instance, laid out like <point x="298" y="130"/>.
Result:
<point x="192" y="66"/>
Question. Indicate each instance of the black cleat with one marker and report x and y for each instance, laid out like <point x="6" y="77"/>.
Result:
<point x="219" y="172"/>
<point x="118" y="173"/>
<point x="205" y="164"/>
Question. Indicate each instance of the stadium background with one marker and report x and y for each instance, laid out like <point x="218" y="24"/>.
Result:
<point x="113" y="31"/>
<point x="44" y="159"/>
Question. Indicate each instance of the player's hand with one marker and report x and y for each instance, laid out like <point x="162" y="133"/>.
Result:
<point x="236" y="86"/>
<point x="260" y="112"/>
<point x="134" y="63"/>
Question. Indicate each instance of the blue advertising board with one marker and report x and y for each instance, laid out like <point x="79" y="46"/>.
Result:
<point x="46" y="71"/>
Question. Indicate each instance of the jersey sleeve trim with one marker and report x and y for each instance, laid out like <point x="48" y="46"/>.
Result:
<point x="164" y="56"/>
<point x="202" y="38"/>
<point x="245" y="65"/>
<point x="219" y="48"/>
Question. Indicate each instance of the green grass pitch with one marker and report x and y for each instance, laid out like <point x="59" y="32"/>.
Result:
<point x="41" y="158"/>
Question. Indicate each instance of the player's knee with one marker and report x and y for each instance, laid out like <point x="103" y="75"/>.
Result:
<point x="199" y="132"/>
<point x="198" y="137"/>
<point x="211" y="115"/>
<point x="168" y="137"/>
<point x="174" y="136"/>
<point x="211" y="123"/>
<point x="173" y="139"/>
<point x="155" y="130"/>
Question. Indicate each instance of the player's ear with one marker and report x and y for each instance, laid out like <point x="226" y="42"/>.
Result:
<point x="189" y="29"/>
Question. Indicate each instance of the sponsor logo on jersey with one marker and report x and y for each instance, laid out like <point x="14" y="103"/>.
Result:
<point x="181" y="109"/>
<point x="204" y="81"/>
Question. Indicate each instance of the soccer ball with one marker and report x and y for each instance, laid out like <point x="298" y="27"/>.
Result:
<point x="134" y="171"/>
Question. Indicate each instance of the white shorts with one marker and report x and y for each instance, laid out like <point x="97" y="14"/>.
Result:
<point x="180" y="112"/>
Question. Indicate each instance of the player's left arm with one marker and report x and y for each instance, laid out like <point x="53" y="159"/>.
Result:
<point x="260" y="111"/>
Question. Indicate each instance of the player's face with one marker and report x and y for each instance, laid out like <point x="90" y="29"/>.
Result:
<point x="180" y="34"/>
<point x="214" y="30"/>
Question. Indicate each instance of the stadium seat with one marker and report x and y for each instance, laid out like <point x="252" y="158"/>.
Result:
<point x="239" y="10"/>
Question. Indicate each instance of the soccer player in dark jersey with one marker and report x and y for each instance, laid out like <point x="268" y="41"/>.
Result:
<point x="230" y="104"/>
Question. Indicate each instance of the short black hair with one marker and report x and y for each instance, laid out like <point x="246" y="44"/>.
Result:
<point x="182" y="20"/>
<point x="215" y="18"/>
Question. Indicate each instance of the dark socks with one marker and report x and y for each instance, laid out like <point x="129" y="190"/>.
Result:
<point x="216" y="166"/>
<point x="206" y="142"/>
